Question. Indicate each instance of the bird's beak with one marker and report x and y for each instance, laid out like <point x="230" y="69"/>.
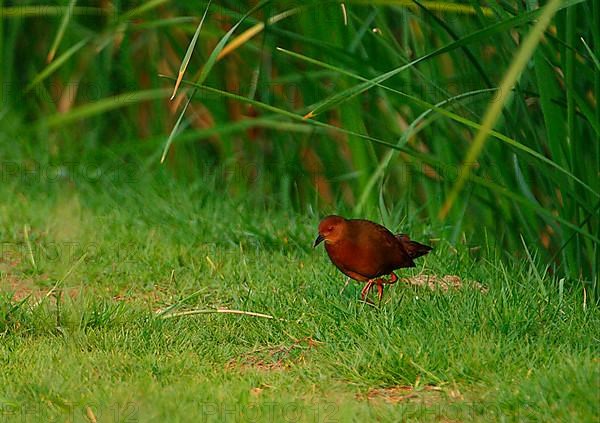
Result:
<point x="319" y="239"/>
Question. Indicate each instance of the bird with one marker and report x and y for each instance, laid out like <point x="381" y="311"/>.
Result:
<point x="367" y="251"/>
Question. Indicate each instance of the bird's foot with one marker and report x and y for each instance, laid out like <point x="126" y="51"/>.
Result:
<point x="393" y="279"/>
<point x="379" y="288"/>
<point x="369" y="285"/>
<point x="365" y="291"/>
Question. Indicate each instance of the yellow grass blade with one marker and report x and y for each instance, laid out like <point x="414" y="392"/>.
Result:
<point x="188" y="53"/>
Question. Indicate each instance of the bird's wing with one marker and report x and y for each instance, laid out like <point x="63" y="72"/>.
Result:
<point x="388" y="239"/>
<point x="387" y="244"/>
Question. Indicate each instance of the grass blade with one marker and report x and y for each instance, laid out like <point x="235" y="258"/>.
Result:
<point x="253" y="31"/>
<point x="61" y="30"/>
<point x="38" y="11"/>
<point x="591" y="53"/>
<point x="175" y="129"/>
<point x="219" y="310"/>
<point x="167" y="310"/>
<point x="188" y="54"/>
<point x="29" y="249"/>
<point x="104" y="105"/>
<point x="146" y="6"/>
<point x="52" y="67"/>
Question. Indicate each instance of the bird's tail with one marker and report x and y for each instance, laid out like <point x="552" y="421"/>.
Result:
<point x="413" y="248"/>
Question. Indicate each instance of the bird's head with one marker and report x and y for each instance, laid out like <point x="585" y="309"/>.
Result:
<point x="331" y="229"/>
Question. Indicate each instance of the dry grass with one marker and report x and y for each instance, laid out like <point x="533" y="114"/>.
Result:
<point x="444" y="283"/>
<point x="426" y="395"/>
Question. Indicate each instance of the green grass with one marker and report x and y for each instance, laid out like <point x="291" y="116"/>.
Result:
<point x="526" y="349"/>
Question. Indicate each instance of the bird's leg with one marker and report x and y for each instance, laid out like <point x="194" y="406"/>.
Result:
<point x="379" y="283"/>
<point x="369" y="285"/>
<point x="366" y="289"/>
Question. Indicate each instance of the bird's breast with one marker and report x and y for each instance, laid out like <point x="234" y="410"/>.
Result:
<point x="350" y="257"/>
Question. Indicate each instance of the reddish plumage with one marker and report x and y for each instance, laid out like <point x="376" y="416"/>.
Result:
<point x="366" y="251"/>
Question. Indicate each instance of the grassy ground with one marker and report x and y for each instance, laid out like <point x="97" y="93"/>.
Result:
<point x="526" y="348"/>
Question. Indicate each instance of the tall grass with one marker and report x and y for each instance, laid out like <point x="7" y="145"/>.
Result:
<point x="371" y="106"/>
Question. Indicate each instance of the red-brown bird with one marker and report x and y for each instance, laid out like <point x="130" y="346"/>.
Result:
<point x="366" y="251"/>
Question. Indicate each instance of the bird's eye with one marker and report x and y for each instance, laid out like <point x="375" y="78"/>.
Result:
<point x="330" y="229"/>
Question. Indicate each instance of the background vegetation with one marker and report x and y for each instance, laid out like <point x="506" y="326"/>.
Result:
<point x="391" y="148"/>
<point x="472" y="124"/>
